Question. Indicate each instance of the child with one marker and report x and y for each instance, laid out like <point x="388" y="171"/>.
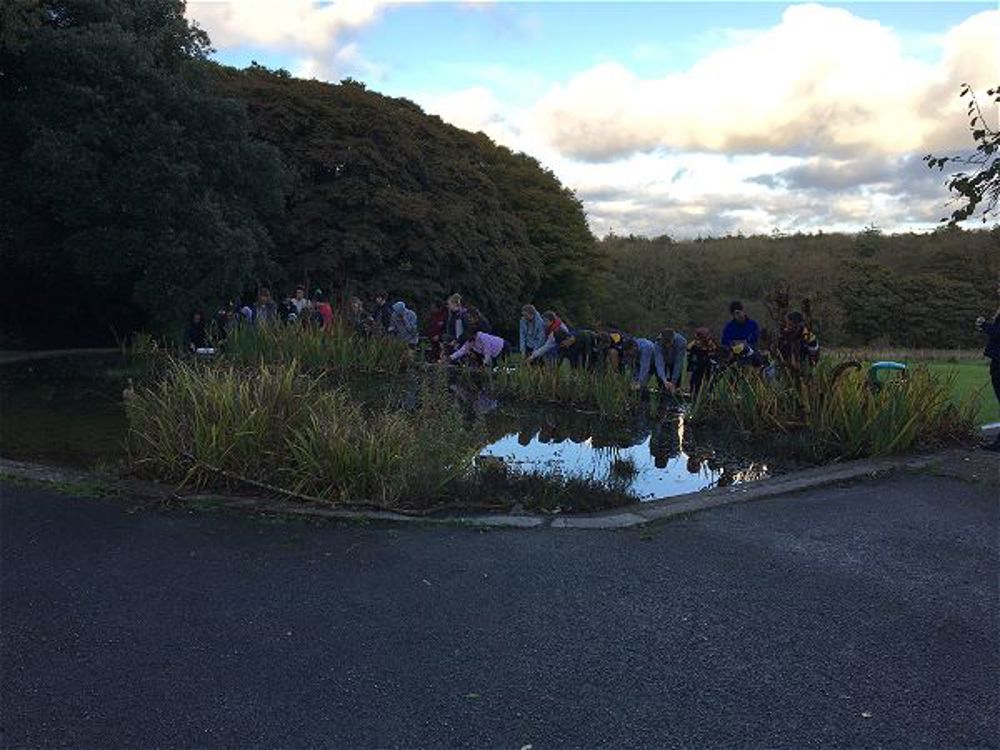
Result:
<point x="610" y="347"/>
<point x="456" y="324"/>
<point x="702" y="359"/>
<point x="797" y="345"/>
<point x="531" y="331"/>
<point x="486" y="345"/>
<point x="361" y="323"/>
<point x="435" y="330"/>
<point x="553" y="327"/>
<point x="321" y="310"/>
<point x="382" y="312"/>
<point x="403" y="324"/>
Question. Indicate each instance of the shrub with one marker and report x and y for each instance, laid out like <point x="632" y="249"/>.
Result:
<point x="836" y="413"/>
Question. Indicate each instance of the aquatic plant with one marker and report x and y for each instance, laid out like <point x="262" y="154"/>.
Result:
<point x="333" y="348"/>
<point x="611" y="393"/>
<point x="275" y="426"/>
<point x="836" y="413"/>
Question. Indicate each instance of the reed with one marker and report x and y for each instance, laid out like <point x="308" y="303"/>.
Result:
<point x="837" y="414"/>
<point x="334" y="348"/>
<point x="611" y="393"/>
<point x="219" y="424"/>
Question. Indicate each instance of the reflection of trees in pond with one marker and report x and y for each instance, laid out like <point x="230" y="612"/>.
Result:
<point x="713" y="455"/>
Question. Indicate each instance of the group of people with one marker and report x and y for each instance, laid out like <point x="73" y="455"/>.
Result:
<point x="668" y="354"/>
<point x="458" y="332"/>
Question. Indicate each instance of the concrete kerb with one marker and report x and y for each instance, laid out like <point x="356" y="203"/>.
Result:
<point x="628" y="516"/>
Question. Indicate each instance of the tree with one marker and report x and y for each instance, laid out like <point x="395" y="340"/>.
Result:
<point x="384" y="195"/>
<point x="132" y="194"/>
<point x="979" y="183"/>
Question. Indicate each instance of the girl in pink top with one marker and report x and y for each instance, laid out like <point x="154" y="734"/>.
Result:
<point x="486" y="345"/>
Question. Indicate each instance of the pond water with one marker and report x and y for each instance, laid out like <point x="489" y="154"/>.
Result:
<point x="68" y="411"/>
<point x="657" y="466"/>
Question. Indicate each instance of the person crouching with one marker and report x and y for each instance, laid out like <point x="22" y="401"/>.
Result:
<point x="490" y="348"/>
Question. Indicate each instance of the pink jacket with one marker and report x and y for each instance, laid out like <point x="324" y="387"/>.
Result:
<point x="489" y="347"/>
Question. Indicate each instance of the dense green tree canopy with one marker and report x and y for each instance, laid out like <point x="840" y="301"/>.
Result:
<point x="912" y="290"/>
<point x="132" y="194"/>
<point x="144" y="182"/>
<point x="384" y="195"/>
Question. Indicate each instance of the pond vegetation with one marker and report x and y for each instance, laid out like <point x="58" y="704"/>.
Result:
<point x="311" y="347"/>
<point x="838" y="412"/>
<point x="431" y="437"/>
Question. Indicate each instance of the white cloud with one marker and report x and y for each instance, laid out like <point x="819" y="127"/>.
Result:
<point x="290" y="24"/>
<point x="821" y="80"/>
<point x="816" y="123"/>
<point x="317" y="33"/>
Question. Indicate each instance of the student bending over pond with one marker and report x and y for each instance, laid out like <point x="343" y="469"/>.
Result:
<point x="486" y="345"/>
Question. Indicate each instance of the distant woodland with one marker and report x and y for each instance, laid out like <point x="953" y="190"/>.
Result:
<point x="143" y="181"/>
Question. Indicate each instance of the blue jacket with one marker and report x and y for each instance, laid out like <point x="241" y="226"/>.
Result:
<point x="745" y="331"/>
<point x="532" y="333"/>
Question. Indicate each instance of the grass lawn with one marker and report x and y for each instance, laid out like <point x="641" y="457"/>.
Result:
<point x="972" y="375"/>
<point x="972" y="371"/>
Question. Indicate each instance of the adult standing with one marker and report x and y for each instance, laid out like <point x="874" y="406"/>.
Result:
<point x="740" y="328"/>
<point x="991" y="328"/>
<point x="382" y="312"/>
<point x="322" y="310"/>
<point x="456" y="324"/>
<point x="196" y="334"/>
<point x="301" y="303"/>
<point x="265" y="311"/>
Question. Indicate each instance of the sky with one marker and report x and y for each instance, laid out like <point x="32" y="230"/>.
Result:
<point x="679" y="118"/>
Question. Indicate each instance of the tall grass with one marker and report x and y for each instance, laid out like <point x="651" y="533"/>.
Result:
<point x="609" y="392"/>
<point x="274" y="424"/>
<point x="334" y="348"/>
<point x="837" y="414"/>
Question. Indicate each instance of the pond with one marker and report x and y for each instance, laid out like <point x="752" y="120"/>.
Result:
<point x="69" y="411"/>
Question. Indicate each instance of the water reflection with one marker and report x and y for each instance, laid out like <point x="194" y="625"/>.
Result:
<point x="660" y="451"/>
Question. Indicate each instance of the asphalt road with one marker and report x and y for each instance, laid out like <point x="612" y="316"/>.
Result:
<point x="862" y="616"/>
